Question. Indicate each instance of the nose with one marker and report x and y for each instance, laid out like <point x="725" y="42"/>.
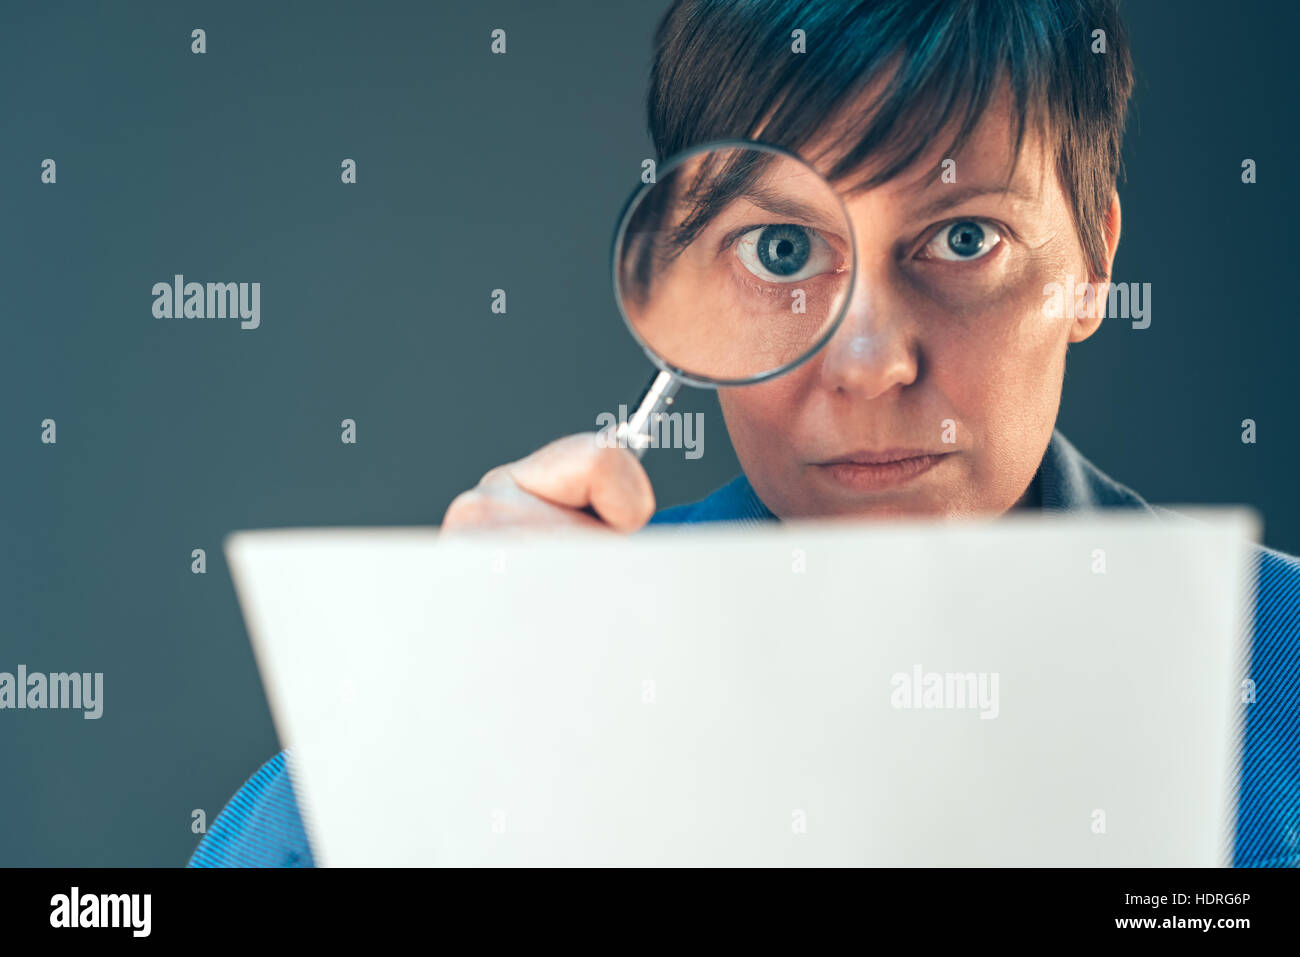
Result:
<point x="875" y="348"/>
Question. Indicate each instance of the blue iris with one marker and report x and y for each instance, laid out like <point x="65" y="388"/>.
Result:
<point x="965" y="239"/>
<point x="784" y="250"/>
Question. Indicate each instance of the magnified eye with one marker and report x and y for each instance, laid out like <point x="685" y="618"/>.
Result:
<point x="784" y="253"/>
<point x="963" y="241"/>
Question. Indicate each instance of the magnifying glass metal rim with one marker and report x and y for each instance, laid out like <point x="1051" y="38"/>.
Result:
<point x="682" y="375"/>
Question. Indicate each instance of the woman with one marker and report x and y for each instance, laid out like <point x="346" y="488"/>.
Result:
<point x="938" y="394"/>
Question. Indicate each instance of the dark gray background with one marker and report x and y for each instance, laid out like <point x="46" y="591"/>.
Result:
<point x="475" y="172"/>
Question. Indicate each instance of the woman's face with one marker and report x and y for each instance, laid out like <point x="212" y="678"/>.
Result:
<point x="945" y="349"/>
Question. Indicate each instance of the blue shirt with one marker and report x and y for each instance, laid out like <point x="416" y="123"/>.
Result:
<point x="260" y="827"/>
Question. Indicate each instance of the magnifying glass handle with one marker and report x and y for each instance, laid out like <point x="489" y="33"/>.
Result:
<point x="636" y="432"/>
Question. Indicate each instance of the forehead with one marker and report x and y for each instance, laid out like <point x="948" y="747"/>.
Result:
<point x="986" y="156"/>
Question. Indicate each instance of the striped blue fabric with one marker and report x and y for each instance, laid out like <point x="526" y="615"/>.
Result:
<point x="261" y="826"/>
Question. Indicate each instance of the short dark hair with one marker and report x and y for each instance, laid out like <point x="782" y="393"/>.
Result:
<point x="722" y="66"/>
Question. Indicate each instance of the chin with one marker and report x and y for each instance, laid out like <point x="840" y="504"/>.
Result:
<point x="900" y="509"/>
<point x="893" y="507"/>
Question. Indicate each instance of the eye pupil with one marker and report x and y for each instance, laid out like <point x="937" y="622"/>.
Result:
<point x="784" y="250"/>
<point x="966" y="239"/>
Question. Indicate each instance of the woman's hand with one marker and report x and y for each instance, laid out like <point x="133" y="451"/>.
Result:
<point x="572" y="482"/>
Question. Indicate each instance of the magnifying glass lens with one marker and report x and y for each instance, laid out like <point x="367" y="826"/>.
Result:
<point x="735" y="264"/>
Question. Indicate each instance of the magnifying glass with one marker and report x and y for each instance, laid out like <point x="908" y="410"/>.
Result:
<point x="732" y="267"/>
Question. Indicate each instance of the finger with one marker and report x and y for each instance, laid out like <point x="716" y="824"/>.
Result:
<point x="479" y="510"/>
<point x="576" y="471"/>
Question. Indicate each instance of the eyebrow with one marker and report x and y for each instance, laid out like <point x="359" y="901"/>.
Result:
<point x="965" y="193"/>
<point x="787" y="206"/>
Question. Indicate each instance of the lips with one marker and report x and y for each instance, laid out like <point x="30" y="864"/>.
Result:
<point x="874" y="471"/>
<point x="866" y="457"/>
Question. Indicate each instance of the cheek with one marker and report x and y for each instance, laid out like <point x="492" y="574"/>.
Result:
<point x="760" y="416"/>
<point x="1002" y="353"/>
<point x="1003" y="375"/>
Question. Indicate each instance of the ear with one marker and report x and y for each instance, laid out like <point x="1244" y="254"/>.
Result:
<point x="1111" y="226"/>
<point x="1086" y="325"/>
